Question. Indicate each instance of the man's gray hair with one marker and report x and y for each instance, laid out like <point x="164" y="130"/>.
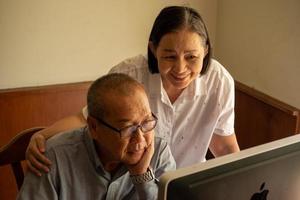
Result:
<point x="116" y="83"/>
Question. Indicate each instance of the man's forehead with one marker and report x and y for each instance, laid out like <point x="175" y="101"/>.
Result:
<point x="129" y="115"/>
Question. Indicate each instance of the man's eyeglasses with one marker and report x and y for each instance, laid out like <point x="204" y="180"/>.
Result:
<point x="145" y="126"/>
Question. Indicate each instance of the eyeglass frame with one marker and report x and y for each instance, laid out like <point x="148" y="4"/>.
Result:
<point x="120" y="130"/>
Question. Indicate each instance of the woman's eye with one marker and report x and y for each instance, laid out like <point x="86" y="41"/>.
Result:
<point x="169" y="57"/>
<point x="191" y="57"/>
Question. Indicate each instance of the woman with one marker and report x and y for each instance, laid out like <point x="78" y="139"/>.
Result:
<point x="192" y="94"/>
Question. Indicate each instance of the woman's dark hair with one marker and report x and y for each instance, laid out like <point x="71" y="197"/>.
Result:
<point x="172" y="19"/>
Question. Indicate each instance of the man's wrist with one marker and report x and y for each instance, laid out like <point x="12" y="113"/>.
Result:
<point x="143" y="178"/>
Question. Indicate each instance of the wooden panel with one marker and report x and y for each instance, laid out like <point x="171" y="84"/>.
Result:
<point x="37" y="106"/>
<point x="260" y="118"/>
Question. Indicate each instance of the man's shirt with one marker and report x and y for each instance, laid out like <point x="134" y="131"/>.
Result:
<point x="77" y="172"/>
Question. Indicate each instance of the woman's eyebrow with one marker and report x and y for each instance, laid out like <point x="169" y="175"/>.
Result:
<point x="191" y="51"/>
<point x="169" y="50"/>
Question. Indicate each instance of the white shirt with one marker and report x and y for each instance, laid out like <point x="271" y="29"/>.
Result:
<point x="204" y="108"/>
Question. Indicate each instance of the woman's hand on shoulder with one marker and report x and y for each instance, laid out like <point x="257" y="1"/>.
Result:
<point x="35" y="158"/>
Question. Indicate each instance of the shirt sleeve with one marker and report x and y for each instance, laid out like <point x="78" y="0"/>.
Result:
<point x="85" y="112"/>
<point x="131" y="67"/>
<point x="148" y="190"/>
<point x="225" y="124"/>
<point x="39" y="188"/>
<point x="161" y="162"/>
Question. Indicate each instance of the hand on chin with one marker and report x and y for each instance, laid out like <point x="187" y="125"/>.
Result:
<point x="141" y="160"/>
<point x="134" y="156"/>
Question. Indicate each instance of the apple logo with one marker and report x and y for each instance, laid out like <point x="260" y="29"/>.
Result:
<point x="262" y="194"/>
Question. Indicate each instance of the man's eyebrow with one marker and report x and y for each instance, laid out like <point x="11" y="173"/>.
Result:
<point x="125" y="120"/>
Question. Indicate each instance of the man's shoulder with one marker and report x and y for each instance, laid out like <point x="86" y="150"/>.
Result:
<point x="160" y="143"/>
<point x="162" y="159"/>
<point x="65" y="139"/>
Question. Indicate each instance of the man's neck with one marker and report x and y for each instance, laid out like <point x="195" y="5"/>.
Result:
<point x="109" y="165"/>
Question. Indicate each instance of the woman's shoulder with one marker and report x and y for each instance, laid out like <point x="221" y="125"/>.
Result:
<point x="131" y="64"/>
<point x="219" y="71"/>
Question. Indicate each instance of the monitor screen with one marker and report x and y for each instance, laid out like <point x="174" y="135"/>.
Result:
<point x="269" y="171"/>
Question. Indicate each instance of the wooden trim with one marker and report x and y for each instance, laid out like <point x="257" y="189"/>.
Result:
<point x="266" y="99"/>
<point x="46" y="89"/>
<point x="260" y="118"/>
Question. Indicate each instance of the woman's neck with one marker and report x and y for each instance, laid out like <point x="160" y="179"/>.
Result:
<point x="173" y="93"/>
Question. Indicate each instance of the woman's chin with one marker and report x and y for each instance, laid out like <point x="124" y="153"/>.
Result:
<point x="179" y="84"/>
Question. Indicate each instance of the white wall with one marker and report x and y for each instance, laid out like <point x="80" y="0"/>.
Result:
<point x="61" y="41"/>
<point x="259" y="43"/>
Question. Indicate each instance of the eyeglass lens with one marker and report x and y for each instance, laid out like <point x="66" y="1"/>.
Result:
<point x="145" y="128"/>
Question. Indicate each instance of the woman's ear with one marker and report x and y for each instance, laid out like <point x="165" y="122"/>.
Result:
<point x="152" y="48"/>
<point x="205" y="50"/>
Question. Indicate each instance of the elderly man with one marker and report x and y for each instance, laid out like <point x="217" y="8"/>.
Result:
<point x="116" y="156"/>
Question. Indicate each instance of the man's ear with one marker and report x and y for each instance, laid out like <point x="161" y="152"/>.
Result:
<point x="92" y="123"/>
<point x="152" y="48"/>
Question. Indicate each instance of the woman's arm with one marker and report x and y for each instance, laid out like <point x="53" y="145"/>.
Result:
<point x="222" y="145"/>
<point x="35" y="158"/>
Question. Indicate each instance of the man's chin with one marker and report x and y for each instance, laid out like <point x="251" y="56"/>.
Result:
<point x="134" y="158"/>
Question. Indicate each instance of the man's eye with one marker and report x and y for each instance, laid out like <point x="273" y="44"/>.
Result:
<point x="127" y="126"/>
<point x="129" y="129"/>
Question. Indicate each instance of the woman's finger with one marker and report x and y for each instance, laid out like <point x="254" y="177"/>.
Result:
<point x="33" y="151"/>
<point x="40" y="142"/>
<point x="37" y="164"/>
<point x="33" y="169"/>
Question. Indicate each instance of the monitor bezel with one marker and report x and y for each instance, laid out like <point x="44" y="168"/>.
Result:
<point x="225" y="164"/>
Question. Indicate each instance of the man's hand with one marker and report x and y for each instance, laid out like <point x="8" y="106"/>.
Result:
<point x="143" y="164"/>
<point x="35" y="158"/>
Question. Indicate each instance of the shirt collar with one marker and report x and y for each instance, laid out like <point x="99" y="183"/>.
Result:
<point x="197" y="87"/>
<point x="89" y="142"/>
<point x="91" y="148"/>
<point x="154" y="84"/>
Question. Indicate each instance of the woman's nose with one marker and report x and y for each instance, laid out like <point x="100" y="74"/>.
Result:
<point x="180" y="66"/>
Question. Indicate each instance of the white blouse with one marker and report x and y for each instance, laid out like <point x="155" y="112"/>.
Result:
<point x="204" y="108"/>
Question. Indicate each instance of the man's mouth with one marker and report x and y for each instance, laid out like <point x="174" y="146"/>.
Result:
<point x="137" y="148"/>
<point x="137" y="151"/>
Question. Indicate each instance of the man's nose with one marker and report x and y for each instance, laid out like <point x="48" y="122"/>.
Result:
<point x="138" y="136"/>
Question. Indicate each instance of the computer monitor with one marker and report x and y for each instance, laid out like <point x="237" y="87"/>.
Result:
<point x="269" y="171"/>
